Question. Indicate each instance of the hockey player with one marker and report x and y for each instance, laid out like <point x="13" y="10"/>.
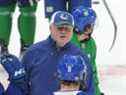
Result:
<point x="41" y="60"/>
<point x="52" y="6"/>
<point x="72" y="73"/>
<point x="84" y="23"/>
<point x="26" y="22"/>
<point x="16" y="73"/>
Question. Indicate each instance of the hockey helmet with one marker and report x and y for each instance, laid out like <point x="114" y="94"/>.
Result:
<point x="71" y="68"/>
<point x="83" y="16"/>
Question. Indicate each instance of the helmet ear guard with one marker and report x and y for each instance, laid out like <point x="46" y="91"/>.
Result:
<point x="83" y="85"/>
<point x="83" y="78"/>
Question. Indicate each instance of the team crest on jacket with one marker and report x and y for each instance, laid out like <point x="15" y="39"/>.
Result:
<point x="83" y="45"/>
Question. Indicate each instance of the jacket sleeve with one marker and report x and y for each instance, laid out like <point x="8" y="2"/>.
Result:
<point x="13" y="89"/>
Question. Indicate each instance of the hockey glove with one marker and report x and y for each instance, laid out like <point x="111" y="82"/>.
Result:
<point x="13" y="66"/>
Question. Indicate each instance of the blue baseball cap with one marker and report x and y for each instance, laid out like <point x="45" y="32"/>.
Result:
<point x="60" y="18"/>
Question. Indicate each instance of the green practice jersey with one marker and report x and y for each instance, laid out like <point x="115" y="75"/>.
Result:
<point x="89" y="47"/>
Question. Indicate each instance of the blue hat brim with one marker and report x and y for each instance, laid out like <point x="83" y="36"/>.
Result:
<point x="64" y="23"/>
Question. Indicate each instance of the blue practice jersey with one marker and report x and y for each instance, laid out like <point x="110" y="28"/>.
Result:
<point x="52" y="6"/>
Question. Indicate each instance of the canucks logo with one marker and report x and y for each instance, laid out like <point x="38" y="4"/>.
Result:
<point x="83" y="45"/>
<point x="64" y="16"/>
<point x="85" y="13"/>
<point x="89" y="56"/>
<point x="69" y="67"/>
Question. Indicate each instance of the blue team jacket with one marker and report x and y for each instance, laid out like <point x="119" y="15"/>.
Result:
<point x="40" y="63"/>
<point x="1" y="89"/>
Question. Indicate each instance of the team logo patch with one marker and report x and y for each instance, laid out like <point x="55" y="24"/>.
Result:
<point x="86" y="13"/>
<point x="64" y="17"/>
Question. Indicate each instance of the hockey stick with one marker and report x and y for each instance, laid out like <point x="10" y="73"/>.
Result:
<point x="113" y="21"/>
<point x="114" y="24"/>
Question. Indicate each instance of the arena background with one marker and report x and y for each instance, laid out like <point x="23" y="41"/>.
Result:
<point x="111" y="64"/>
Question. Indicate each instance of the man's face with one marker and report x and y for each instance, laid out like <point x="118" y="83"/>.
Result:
<point x="86" y="33"/>
<point x="61" y="34"/>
